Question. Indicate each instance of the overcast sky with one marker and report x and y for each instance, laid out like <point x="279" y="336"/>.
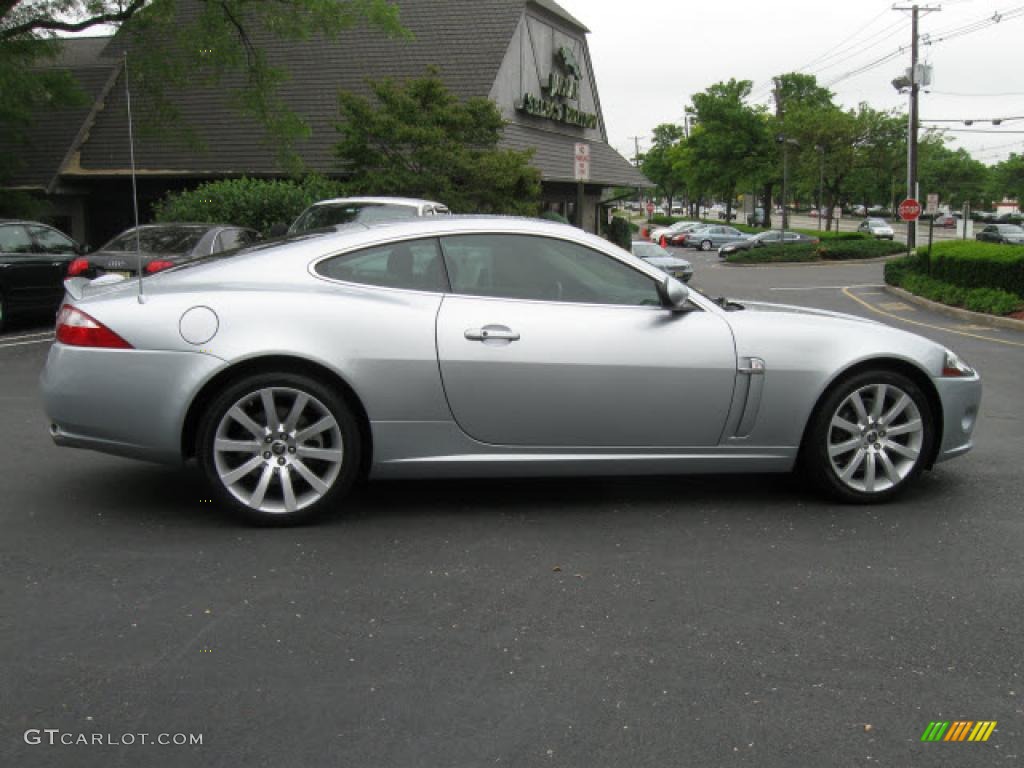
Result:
<point x="650" y="55"/>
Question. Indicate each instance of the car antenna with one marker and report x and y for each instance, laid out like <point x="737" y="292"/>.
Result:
<point x="135" y="192"/>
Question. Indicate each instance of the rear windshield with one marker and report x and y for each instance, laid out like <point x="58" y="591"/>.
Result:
<point x="1010" y="229"/>
<point x="332" y="214"/>
<point x="158" y="240"/>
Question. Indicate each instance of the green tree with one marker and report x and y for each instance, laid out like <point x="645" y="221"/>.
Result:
<point x="1007" y="179"/>
<point x="658" y="162"/>
<point x="222" y="46"/>
<point x="954" y="175"/>
<point x="728" y="138"/>
<point x="418" y="139"/>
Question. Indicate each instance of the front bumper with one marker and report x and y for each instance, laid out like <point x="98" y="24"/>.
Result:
<point x="126" y="402"/>
<point x="961" y="399"/>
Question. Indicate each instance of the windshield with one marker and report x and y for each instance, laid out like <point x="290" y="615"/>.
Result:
<point x="333" y="214"/>
<point x="877" y="223"/>
<point x="172" y="240"/>
<point x="1010" y="229"/>
<point x="648" y="250"/>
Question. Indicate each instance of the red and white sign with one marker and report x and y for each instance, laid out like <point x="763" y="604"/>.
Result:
<point x="582" y="162"/>
<point x="909" y="210"/>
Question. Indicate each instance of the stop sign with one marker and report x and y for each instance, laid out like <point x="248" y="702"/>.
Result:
<point x="909" y="209"/>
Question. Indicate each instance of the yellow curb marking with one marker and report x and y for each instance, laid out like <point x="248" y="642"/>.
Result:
<point x="896" y="306"/>
<point x="876" y="310"/>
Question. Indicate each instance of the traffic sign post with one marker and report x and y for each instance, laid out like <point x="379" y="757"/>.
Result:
<point x="909" y="210"/>
<point x="932" y="208"/>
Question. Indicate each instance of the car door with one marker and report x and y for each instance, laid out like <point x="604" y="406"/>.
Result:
<point x="27" y="276"/>
<point x="60" y="249"/>
<point x="545" y="342"/>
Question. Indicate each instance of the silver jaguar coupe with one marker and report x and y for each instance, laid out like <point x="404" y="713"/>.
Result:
<point x="484" y="346"/>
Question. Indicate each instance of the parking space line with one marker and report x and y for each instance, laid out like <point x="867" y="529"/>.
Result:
<point x="47" y="340"/>
<point x="825" y="287"/>
<point x="947" y="329"/>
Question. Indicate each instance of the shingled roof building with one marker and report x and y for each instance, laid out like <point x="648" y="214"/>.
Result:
<point x="529" y="56"/>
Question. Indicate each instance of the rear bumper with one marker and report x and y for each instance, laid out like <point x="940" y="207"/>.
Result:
<point x="125" y="402"/>
<point x="961" y="399"/>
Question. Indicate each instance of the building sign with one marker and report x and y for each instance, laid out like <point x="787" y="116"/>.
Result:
<point x="560" y="89"/>
<point x="582" y="163"/>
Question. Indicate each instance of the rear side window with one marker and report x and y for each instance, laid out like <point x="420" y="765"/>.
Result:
<point x="14" y="239"/>
<point x="52" y="241"/>
<point x="411" y="264"/>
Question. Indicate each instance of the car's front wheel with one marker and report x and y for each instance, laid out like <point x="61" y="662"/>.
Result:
<point x="870" y="436"/>
<point x="279" y="448"/>
<point x="705" y="245"/>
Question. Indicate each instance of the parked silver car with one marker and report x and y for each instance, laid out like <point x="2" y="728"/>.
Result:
<point x="654" y="254"/>
<point x="484" y="346"/>
<point x="877" y="228"/>
<point x="710" y="237"/>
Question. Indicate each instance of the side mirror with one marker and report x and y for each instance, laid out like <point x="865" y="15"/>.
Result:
<point x="83" y="249"/>
<point x="673" y="293"/>
<point x="278" y="230"/>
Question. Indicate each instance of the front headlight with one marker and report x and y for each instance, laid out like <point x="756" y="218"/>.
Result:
<point x="955" y="367"/>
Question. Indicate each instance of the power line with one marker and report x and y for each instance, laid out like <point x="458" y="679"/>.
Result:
<point x="975" y="95"/>
<point x="979" y="130"/>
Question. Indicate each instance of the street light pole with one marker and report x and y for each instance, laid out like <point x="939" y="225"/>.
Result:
<point x="821" y="184"/>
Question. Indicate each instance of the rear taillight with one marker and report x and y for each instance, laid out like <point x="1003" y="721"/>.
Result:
<point x="77" y="329"/>
<point x="158" y="266"/>
<point x="77" y="267"/>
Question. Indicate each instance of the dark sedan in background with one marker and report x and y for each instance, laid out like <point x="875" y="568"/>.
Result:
<point x="771" y="237"/>
<point x="1008" y="234"/>
<point x="34" y="259"/>
<point x="162" y="246"/>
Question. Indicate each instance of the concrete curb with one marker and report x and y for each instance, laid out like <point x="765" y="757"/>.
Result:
<point x="977" y="318"/>
<point x="819" y="263"/>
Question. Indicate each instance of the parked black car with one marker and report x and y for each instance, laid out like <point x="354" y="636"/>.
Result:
<point x="34" y="259"/>
<point x="1010" y="234"/>
<point x="162" y="246"/>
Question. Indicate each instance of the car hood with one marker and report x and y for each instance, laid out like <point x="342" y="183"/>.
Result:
<point x="791" y="309"/>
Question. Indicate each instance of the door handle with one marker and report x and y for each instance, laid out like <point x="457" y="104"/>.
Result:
<point x="492" y="333"/>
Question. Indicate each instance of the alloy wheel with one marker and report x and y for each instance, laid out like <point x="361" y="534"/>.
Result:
<point x="278" y="450"/>
<point x="875" y="438"/>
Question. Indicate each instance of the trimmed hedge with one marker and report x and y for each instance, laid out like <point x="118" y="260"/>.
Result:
<point x="620" y="232"/>
<point x="905" y="274"/>
<point x="770" y="254"/>
<point x="245" y="202"/>
<point x="974" y="264"/>
<point x="836" y="250"/>
<point x="859" y="249"/>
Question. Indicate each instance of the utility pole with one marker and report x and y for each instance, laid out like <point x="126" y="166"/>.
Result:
<point x="636" y="150"/>
<point x="912" y="128"/>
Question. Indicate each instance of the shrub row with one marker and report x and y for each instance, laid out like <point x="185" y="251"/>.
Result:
<point x="907" y="274"/>
<point x="859" y="249"/>
<point x="834" y="250"/>
<point x="973" y="264"/>
<point x="775" y="253"/>
<point x="245" y="202"/>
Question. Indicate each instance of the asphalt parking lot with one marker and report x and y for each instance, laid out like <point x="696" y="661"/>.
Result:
<point x="701" y="621"/>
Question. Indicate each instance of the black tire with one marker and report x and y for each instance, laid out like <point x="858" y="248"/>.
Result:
<point x="824" y="470"/>
<point x="705" y="245"/>
<point x="336" y="475"/>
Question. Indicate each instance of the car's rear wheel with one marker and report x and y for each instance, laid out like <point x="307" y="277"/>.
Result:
<point x="279" y="448"/>
<point x="869" y="438"/>
<point x="705" y="245"/>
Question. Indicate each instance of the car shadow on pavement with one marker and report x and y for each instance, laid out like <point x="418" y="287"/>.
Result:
<point x="180" y="497"/>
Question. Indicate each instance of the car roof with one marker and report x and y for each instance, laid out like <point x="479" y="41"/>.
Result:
<point x="407" y="201"/>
